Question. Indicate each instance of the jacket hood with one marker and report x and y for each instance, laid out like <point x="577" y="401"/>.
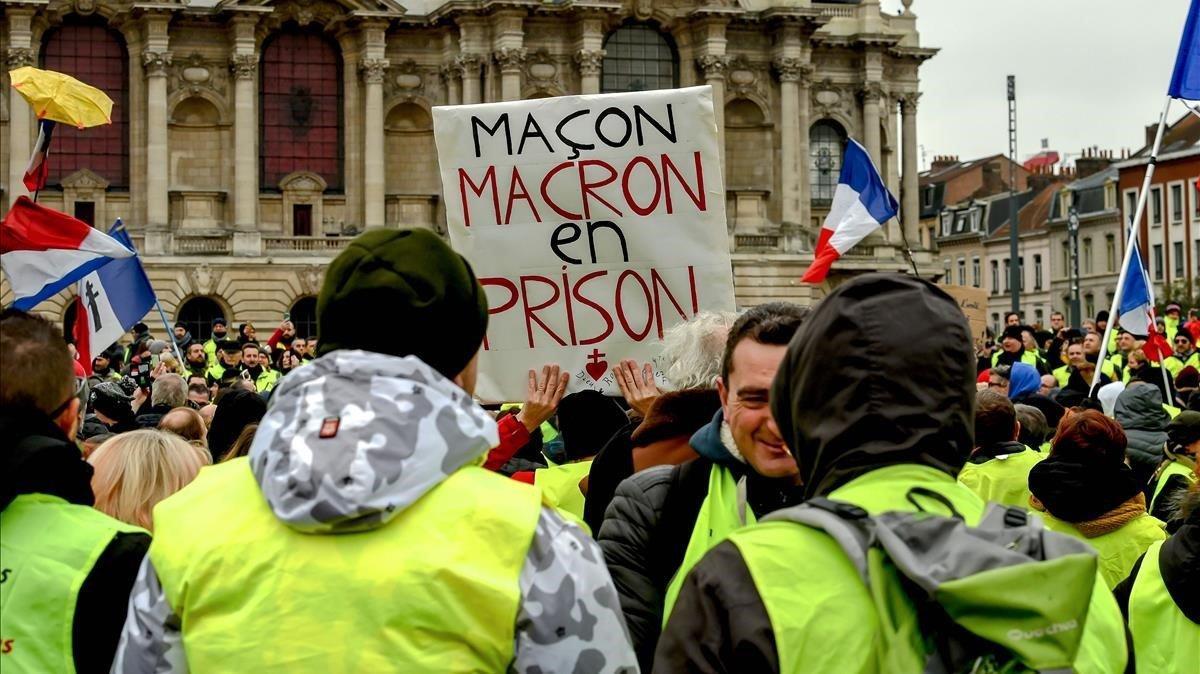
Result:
<point x="1023" y="380"/>
<point x="1140" y="406"/>
<point x="37" y="457"/>
<point x="355" y="437"/>
<point x="881" y="373"/>
<point x="710" y="441"/>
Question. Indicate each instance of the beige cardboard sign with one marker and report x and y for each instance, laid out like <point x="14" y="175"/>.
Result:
<point x="973" y="302"/>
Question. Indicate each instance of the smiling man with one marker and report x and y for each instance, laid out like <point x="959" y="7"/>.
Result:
<point x="663" y="519"/>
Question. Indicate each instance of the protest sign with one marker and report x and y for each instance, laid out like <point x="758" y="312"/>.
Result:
<point x="594" y="223"/>
<point x="973" y="302"/>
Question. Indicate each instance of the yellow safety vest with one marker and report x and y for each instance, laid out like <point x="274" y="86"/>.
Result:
<point x="821" y="611"/>
<point x="1172" y="468"/>
<point x="1062" y="375"/>
<point x="1118" y="550"/>
<point x="1003" y="479"/>
<point x="47" y="548"/>
<point x="433" y="590"/>
<point x="1164" y="640"/>
<point x="560" y="486"/>
<point x="724" y="511"/>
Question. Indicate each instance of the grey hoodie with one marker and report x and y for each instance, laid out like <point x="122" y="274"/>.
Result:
<point x="402" y="428"/>
<point x="1139" y="410"/>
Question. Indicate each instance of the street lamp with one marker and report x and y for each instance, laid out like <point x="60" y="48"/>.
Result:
<point x="1073" y="231"/>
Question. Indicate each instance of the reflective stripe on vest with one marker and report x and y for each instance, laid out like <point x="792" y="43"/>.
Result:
<point x="723" y="512"/>
<point x="821" y="612"/>
<point x="1172" y="468"/>
<point x="48" y="546"/>
<point x="560" y="486"/>
<point x="435" y="589"/>
<point x="1164" y="640"/>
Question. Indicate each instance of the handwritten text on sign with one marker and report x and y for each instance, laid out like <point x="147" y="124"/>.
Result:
<point x="595" y="223"/>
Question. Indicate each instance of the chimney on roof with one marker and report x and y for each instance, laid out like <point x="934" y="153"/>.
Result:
<point x="1151" y="129"/>
<point x="1093" y="160"/>
<point x="942" y="161"/>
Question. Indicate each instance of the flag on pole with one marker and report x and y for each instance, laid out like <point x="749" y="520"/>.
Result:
<point x="861" y="204"/>
<point x="43" y="251"/>
<point x="110" y="301"/>
<point x="1185" y="81"/>
<point x="38" y="168"/>
<point x="1137" y="307"/>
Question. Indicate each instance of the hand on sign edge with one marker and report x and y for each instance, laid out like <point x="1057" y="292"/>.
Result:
<point x="636" y="386"/>
<point x="542" y="396"/>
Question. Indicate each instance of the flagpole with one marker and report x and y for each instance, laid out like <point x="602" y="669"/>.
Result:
<point x="907" y="248"/>
<point x="1134" y="230"/>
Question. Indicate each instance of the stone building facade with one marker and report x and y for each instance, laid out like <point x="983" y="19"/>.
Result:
<point x="253" y="138"/>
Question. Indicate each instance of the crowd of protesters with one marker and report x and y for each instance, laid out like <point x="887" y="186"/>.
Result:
<point x="347" y="505"/>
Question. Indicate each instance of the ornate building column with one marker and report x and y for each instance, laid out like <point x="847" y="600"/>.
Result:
<point x="589" y="62"/>
<point x="870" y="94"/>
<point x="373" y="70"/>
<point x="452" y="76"/>
<point x="714" y="68"/>
<point x="243" y="64"/>
<point x="910" y="213"/>
<point x="790" y="71"/>
<point x="468" y="69"/>
<point x="511" y="61"/>
<point x="20" y="117"/>
<point x="155" y="62"/>
<point x="803" y="118"/>
<point x="373" y="66"/>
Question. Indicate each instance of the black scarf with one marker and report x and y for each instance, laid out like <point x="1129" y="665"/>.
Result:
<point x="38" y="458"/>
<point x="1079" y="490"/>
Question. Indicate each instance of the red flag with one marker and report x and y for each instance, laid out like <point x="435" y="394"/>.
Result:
<point x="39" y="162"/>
<point x="81" y="335"/>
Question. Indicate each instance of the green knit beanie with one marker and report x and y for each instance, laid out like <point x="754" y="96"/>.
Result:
<point x="404" y="293"/>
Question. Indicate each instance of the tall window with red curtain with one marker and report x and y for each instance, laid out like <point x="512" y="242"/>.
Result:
<point x="301" y="119"/>
<point x="95" y="54"/>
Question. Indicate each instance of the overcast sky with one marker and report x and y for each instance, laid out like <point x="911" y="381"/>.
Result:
<point x="1089" y="72"/>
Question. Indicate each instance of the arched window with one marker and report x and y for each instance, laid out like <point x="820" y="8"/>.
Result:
<point x="301" y="118"/>
<point x="94" y="54"/>
<point x="826" y="143"/>
<point x="638" y="58"/>
<point x="197" y="315"/>
<point x="304" y="317"/>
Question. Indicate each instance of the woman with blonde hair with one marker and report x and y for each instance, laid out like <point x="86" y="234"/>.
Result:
<point x="136" y="470"/>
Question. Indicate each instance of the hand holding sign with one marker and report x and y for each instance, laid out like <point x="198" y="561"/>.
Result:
<point x="637" y="386"/>
<point x="543" y="396"/>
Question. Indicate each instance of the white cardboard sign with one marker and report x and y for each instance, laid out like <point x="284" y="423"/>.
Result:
<point x="594" y="223"/>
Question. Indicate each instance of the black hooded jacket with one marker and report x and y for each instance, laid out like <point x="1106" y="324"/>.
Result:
<point x="880" y="374"/>
<point x="37" y="458"/>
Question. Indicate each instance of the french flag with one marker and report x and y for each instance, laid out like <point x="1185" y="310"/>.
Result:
<point x="110" y="301"/>
<point x="39" y="162"/>
<point x="861" y="204"/>
<point x="43" y="251"/>
<point x="1136" y="309"/>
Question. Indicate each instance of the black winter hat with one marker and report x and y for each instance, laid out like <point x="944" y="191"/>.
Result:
<point x="219" y="320"/>
<point x="1014" y="331"/>
<point x="1184" y="429"/>
<point x="110" y="400"/>
<point x="403" y="292"/>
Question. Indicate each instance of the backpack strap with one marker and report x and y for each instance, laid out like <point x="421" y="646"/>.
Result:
<point x="848" y="525"/>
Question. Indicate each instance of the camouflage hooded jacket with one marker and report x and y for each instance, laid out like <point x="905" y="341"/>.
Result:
<point x="563" y="576"/>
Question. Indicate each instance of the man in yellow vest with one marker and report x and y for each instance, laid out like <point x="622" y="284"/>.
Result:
<point x="663" y="519"/>
<point x="219" y="330"/>
<point x="257" y="366"/>
<point x="874" y="400"/>
<point x="1185" y="354"/>
<point x="998" y="468"/>
<point x="67" y="567"/>
<point x="361" y="535"/>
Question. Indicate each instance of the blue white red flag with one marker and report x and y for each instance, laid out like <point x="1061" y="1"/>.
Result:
<point x="1137" y="308"/>
<point x="43" y="251"/>
<point x="110" y="301"/>
<point x="1185" y="80"/>
<point x="39" y="162"/>
<point x="861" y="204"/>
